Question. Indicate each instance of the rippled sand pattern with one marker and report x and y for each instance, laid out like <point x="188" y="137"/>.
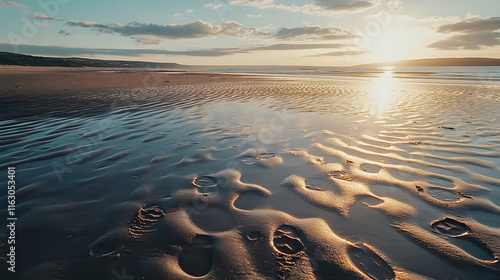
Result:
<point x="264" y="179"/>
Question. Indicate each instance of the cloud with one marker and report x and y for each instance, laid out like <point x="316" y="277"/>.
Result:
<point x="11" y="4"/>
<point x="42" y="17"/>
<point x="282" y="47"/>
<point x="313" y="32"/>
<point x="474" y="34"/>
<point x="315" y="7"/>
<point x="261" y="4"/>
<point x="201" y="29"/>
<point x="265" y="4"/>
<point x="253" y="16"/>
<point x="197" y="29"/>
<point x="344" y="5"/>
<point x="146" y="40"/>
<point x="472" y="41"/>
<point x="213" y="6"/>
<point x="471" y="25"/>
<point x="210" y="52"/>
<point x="64" y="32"/>
<point x="340" y="53"/>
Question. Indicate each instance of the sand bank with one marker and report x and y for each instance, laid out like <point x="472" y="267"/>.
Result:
<point x="21" y="79"/>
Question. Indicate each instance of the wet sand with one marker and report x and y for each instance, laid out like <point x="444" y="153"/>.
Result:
<point x="42" y="80"/>
<point x="255" y="178"/>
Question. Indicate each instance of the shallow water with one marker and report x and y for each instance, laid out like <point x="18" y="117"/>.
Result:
<point x="444" y="74"/>
<point x="266" y="179"/>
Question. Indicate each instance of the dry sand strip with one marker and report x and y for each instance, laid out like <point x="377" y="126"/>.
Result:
<point x="32" y="80"/>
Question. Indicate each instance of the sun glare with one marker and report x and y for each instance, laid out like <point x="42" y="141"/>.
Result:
<point x="393" y="44"/>
<point x="382" y="92"/>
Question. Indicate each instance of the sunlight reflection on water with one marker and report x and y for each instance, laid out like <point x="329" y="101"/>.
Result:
<point x="382" y="93"/>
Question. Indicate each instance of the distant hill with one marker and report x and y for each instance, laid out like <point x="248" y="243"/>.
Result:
<point x="7" y="58"/>
<point x="470" y="61"/>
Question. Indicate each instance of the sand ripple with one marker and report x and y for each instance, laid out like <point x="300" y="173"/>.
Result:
<point x="277" y="179"/>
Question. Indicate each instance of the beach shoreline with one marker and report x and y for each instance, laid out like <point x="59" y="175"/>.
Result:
<point x="27" y="80"/>
<point x="44" y="80"/>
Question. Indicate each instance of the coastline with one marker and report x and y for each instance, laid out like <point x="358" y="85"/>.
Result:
<point x="52" y="80"/>
<point x="43" y="80"/>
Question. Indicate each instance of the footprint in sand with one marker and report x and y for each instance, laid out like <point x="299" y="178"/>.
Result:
<point x="450" y="227"/>
<point x="370" y="263"/>
<point x="459" y="233"/>
<point x="197" y="257"/>
<point x="145" y="220"/>
<point x="341" y="175"/>
<point x="109" y="245"/>
<point x="205" y="184"/>
<point x="287" y="241"/>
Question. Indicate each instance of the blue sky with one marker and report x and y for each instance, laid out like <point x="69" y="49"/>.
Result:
<point x="253" y="32"/>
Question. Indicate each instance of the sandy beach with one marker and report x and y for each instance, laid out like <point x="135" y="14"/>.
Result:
<point x="21" y="79"/>
<point x="184" y="175"/>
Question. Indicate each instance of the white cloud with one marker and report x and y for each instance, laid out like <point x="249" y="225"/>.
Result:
<point x="42" y="17"/>
<point x="325" y="7"/>
<point x="213" y="6"/>
<point x="11" y="4"/>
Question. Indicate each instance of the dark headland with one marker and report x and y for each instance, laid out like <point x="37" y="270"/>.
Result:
<point x="8" y="58"/>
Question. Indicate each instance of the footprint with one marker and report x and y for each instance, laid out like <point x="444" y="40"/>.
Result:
<point x="145" y="220"/>
<point x="197" y="257"/>
<point x="109" y="245"/>
<point x="453" y="228"/>
<point x="341" y="175"/>
<point x="205" y="184"/>
<point x="370" y="263"/>
<point x="450" y="227"/>
<point x="286" y="240"/>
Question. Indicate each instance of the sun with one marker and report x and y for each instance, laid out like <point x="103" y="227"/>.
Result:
<point x="392" y="44"/>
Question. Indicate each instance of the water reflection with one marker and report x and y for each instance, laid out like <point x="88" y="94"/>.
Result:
<point x="382" y="93"/>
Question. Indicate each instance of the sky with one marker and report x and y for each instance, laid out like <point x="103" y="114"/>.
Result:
<point x="252" y="32"/>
